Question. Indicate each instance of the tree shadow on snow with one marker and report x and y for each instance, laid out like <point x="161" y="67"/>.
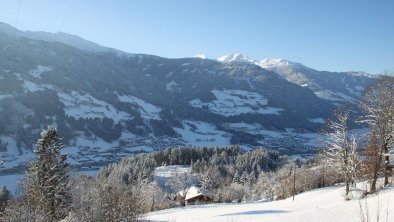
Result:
<point x="256" y="212"/>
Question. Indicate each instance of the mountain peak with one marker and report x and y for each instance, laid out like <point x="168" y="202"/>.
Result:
<point x="236" y="57"/>
<point x="200" y="56"/>
<point x="277" y="62"/>
<point x="264" y="63"/>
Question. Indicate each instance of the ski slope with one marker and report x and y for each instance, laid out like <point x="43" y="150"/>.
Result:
<point x="321" y="205"/>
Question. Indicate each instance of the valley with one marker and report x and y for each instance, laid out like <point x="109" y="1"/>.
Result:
<point x="108" y="104"/>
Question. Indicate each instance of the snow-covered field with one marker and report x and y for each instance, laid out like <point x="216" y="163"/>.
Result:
<point x="163" y="173"/>
<point x="13" y="158"/>
<point x="39" y="70"/>
<point x="335" y="96"/>
<point x="199" y="133"/>
<point x="236" y="102"/>
<point x="86" y="106"/>
<point x="147" y="110"/>
<point x="326" y="204"/>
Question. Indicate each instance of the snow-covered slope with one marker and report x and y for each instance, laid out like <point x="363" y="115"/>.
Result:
<point x="236" y="102"/>
<point x="236" y="57"/>
<point x="338" y="87"/>
<point x="275" y="62"/>
<point x="325" y="205"/>
<point x="200" y="56"/>
<point x="334" y="86"/>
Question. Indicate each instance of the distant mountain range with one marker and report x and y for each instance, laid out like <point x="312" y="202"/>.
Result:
<point x="107" y="103"/>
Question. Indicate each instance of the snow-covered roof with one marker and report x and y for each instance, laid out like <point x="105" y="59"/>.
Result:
<point x="192" y="192"/>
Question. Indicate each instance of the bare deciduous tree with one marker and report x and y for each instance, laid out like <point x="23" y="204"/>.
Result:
<point x="378" y="106"/>
<point x="341" y="148"/>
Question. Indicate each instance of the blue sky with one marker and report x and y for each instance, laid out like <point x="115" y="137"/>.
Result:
<point x="324" y="34"/>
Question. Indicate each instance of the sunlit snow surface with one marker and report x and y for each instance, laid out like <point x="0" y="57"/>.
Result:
<point x="199" y="133"/>
<point x="147" y="110"/>
<point x="325" y="205"/>
<point x="13" y="157"/>
<point x="29" y="86"/>
<point x="171" y="85"/>
<point x="39" y="70"/>
<point x="317" y="120"/>
<point x="200" y="56"/>
<point x="236" y="57"/>
<point x="236" y="102"/>
<point x="85" y="106"/>
<point x="335" y="96"/>
<point x="4" y="96"/>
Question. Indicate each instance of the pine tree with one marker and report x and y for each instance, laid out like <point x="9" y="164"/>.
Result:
<point x="5" y="196"/>
<point x="47" y="188"/>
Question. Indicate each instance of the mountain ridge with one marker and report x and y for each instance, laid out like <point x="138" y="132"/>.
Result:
<point x="108" y="105"/>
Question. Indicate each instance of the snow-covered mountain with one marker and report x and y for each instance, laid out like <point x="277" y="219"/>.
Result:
<point x="333" y="86"/>
<point x="277" y="62"/>
<point x="108" y="104"/>
<point x="200" y="56"/>
<point x="337" y="87"/>
<point x="236" y="57"/>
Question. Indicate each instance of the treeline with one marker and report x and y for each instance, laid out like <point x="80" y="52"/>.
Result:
<point x="124" y="191"/>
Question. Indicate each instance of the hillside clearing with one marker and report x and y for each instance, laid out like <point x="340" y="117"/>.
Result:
<point x="325" y="204"/>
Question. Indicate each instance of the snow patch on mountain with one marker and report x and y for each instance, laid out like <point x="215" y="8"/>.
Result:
<point x="363" y="74"/>
<point x="334" y="86"/>
<point x="170" y="86"/>
<point x="236" y="102"/>
<point x="29" y="86"/>
<point x="83" y="141"/>
<point x="13" y="157"/>
<point x="236" y="57"/>
<point x="317" y="120"/>
<point x="276" y="139"/>
<point x="5" y="96"/>
<point x="147" y="110"/>
<point x="202" y="134"/>
<point x="36" y="73"/>
<point x="85" y="106"/>
<point x="335" y="96"/>
<point x="276" y="62"/>
<point x="357" y="90"/>
<point x="91" y="150"/>
<point x="200" y="56"/>
<point x="244" y="126"/>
